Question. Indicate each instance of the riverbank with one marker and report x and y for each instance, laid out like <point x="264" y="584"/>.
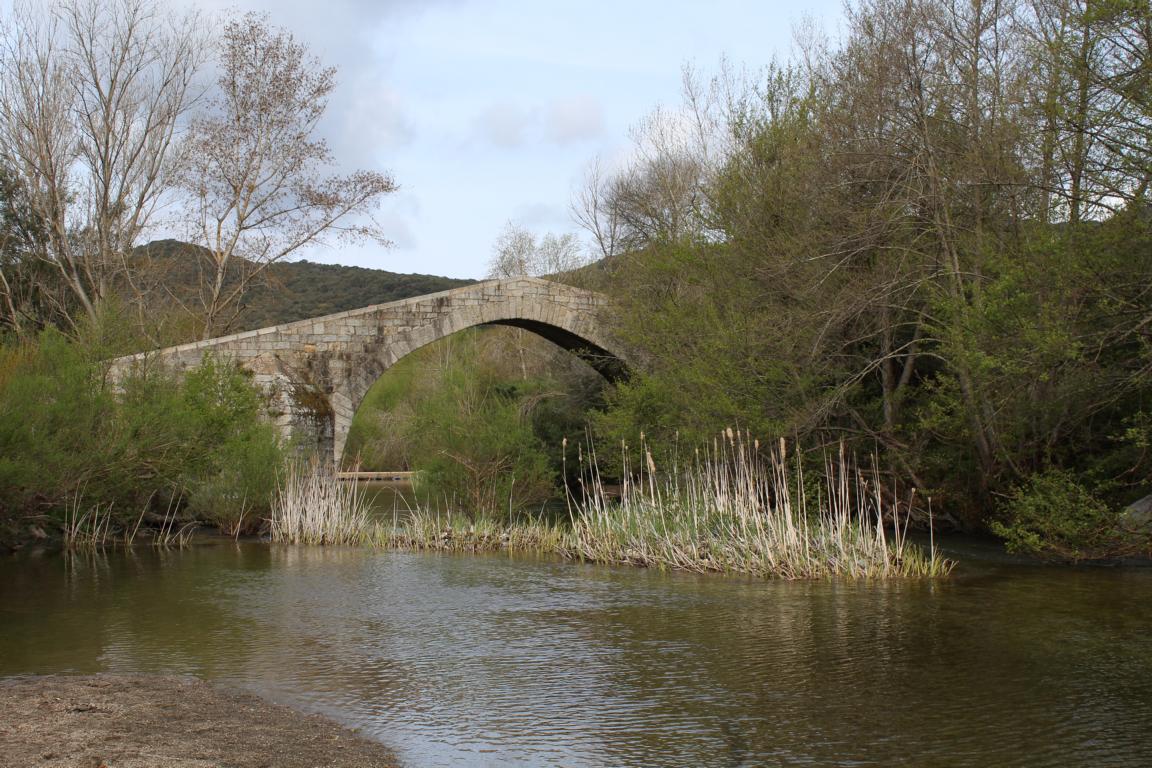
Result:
<point x="130" y="721"/>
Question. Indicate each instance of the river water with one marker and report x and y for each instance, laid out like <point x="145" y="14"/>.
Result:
<point x="466" y="660"/>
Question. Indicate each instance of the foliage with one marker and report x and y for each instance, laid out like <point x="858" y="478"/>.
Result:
<point x="471" y="437"/>
<point x="481" y="415"/>
<point x="930" y="239"/>
<point x="139" y="447"/>
<point x="232" y="483"/>
<point x="475" y="448"/>
<point x="1055" y="516"/>
<point x="257" y="179"/>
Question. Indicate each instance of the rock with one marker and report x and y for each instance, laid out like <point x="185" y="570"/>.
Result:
<point x="1137" y="516"/>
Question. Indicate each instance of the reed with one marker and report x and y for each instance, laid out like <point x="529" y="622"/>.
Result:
<point x="734" y="508"/>
<point x="89" y="528"/>
<point x="171" y="533"/>
<point x="95" y="528"/>
<point x="313" y="507"/>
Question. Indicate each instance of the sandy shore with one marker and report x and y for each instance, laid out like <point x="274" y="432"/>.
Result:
<point x="125" y="721"/>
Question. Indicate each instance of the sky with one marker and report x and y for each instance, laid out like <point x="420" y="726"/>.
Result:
<point x="489" y="112"/>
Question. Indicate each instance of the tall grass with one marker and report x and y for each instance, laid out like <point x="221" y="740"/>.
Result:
<point x="87" y="528"/>
<point x="730" y="509"/>
<point x="734" y="508"/>
<point x="95" y="527"/>
<point x="313" y="507"/>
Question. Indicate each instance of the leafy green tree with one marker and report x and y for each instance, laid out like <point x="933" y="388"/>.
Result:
<point x="897" y="242"/>
<point x="154" y="444"/>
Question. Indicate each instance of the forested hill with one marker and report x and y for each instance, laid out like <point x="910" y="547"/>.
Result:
<point x="295" y="290"/>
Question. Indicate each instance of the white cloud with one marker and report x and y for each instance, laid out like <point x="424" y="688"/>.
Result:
<point x="488" y="110"/>
<point x="565" y="121"/>
<point x="372" y="123"/>
<point x="504" y="125"/>
<point x="541" y="216"/>
<point x="575" y="119"/>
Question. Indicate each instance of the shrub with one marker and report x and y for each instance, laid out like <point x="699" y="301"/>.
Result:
<point x="477" y="431"/>
<point x="232" y="486"/>
<point x="1053" y="515"/>
<point x="68" y="437"/>
<point x="475" y="447"/>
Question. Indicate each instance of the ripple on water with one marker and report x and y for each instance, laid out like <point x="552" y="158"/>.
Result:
<point x="494" y="661"/>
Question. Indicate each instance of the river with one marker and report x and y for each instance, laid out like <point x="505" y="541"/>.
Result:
<point x="496" y="660"/>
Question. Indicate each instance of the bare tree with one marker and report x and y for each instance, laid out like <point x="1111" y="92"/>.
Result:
<point x="517" y="252"/>
<point x="513" y="252"/>
<point x="92" y="93"/>
<point x="255" y="174"/>
<point x="19" y="234"/>
<point x="660" y="195"/>
<point x="593" y="211"/>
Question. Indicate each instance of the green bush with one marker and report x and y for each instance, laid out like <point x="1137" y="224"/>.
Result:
<point x="154" y="443"/>
<point x="1052" y="515"/>
<point x="474" y="444"/>
<point x="482" y="416"/>
<point x="233" y="486"/>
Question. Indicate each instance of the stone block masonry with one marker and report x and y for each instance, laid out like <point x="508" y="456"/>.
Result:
<point x="316" y="372"/>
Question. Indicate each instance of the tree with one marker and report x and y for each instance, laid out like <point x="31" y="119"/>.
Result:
<point x="255" y="174"/>
<point x="1094" y="98"/>
<point x="20" y="233"/>
<point x="92" y="94"/>
<point x="518" y="253"/>
<point x="930" y="239"/>
<point x="592" y="209"/>
<point x="658" y="196"/>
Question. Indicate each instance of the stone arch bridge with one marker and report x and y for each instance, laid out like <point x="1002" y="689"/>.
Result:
<point x="316" y="372"/>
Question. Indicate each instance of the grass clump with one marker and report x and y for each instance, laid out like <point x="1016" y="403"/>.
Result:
<point x="95" y="527"/>
<point x="735" y="510"/>
<point x="732" y="509"/>
<point x="312" y="506"/>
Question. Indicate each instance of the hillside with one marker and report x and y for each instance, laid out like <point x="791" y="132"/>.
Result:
<point x="300" y="289"/>
<point x="295" y="290"/>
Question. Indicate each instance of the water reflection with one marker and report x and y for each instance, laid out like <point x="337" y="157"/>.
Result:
<point x="494" y="660"/>
<point x="389" y="499"/>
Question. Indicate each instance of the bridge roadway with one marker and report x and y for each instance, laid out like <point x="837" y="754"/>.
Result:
<point x="316" y="372"/>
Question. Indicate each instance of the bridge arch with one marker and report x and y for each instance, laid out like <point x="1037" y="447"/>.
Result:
<point x="316" y="372"/>
<point x="568" y="317"/>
